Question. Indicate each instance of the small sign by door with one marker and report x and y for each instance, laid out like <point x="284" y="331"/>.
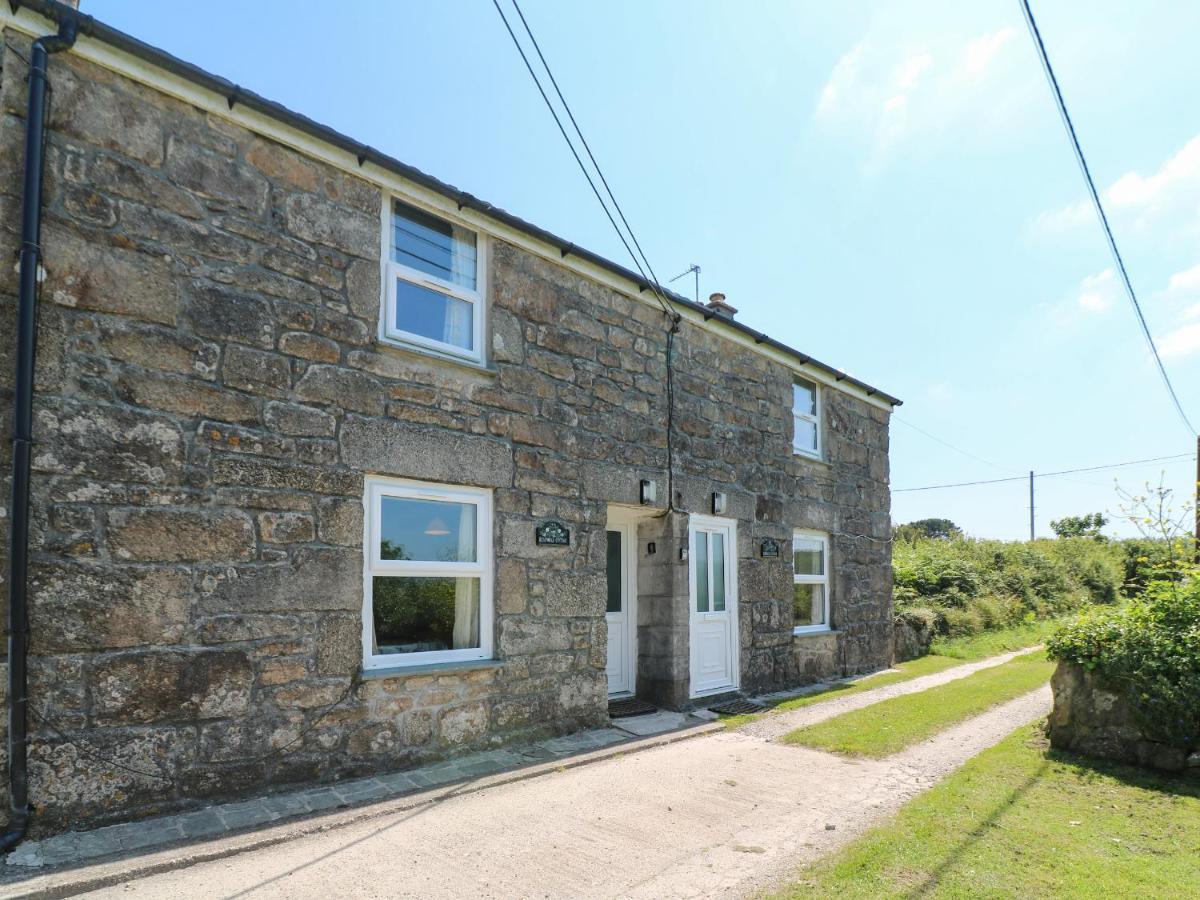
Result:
<point x="553" y="533"/>
<point x="769" y="548"/>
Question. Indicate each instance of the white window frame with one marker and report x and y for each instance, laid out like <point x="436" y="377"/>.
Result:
<point x="815" y="419"/>
<point x="375" y="491"/>
<point x="822" y="580"/>
<point x="392" y="270"/>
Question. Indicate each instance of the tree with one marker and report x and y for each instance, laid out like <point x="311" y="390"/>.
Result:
<point x="1085" y="526"/>
<point x="932" y="529"/>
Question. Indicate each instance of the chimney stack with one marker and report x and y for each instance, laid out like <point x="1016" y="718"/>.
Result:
<point x="716" y="302"/>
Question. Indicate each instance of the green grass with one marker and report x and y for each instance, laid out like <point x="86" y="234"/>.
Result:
<point x="891" y="725"/>
<point x="1018" y="821"/>
<point x="946" y="653"/>
<point x="993" y="643"/>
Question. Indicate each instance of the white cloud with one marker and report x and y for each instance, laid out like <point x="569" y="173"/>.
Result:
<point x="885" y="92"/>
<point x="1172" y="192"/>
<point x="1061" y="221"/>
<point x="1181" y="342"/>
<point x="980" y="53"/>
<point x="1097" y="293"/>
<point x="1185" y="282"/>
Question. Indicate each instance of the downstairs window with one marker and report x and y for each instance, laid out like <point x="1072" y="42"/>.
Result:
<point x="428" y="591"/>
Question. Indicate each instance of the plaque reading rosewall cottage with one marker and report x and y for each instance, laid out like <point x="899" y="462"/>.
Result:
<point x="769" y="548"/>
<point x="553" y="533"/>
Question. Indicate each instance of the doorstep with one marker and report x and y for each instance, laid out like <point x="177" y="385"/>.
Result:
<point x="324" y="806"/>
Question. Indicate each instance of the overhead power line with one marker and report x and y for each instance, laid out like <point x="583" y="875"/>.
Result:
<point x="1091" y="185"/>
<point x="934" y="437"/>
<point x="1120" y="465"/>
<point x="640" y="262"/>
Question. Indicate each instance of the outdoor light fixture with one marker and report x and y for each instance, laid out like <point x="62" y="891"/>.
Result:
<point x="719" y="503"/>
<point x="649" y="491"/>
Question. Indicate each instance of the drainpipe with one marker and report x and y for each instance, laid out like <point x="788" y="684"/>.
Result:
<point x="22" y="441"/>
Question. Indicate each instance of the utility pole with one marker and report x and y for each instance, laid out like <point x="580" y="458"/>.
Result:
<point x="1031" y="536"/>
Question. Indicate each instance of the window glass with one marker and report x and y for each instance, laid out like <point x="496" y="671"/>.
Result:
<point x="417" y="615"/>
<point x="614" y="572"/>
<point x="434" y="246"/>
<point x="808" y="604"/>
<point x="805" y="435"/>
<point x="434" y="315"/>
<point x="804" y="398"/>
<point x="718" y="574"/>
<point x="700" y="562"/>
<point x="808" y="556"/>
<point x="427" y="530"/>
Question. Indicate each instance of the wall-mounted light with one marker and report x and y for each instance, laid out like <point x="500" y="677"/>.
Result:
<point x="719" y="503"/>
<point x="649" y="492"/>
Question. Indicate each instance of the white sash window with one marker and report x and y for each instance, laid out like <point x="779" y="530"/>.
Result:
<point x="432" y="290"/>
<point x="428" y="566"/>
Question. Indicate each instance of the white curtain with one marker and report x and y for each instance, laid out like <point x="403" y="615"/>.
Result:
<point x="458" y="329"/>
<point x="466" y="605"/>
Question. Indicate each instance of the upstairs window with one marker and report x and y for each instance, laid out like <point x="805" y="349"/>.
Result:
<point x="433" y="295"/>
<point x="806" y="418"/>
<point x="810" y="581"/>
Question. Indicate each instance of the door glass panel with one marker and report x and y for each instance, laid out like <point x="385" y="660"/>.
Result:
<point x="718" y="569"/>
<point x="614" y="572"/>
<point x="700" y="568"/>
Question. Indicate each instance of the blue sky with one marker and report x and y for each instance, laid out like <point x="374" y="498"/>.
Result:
<point x="885" y="186"/>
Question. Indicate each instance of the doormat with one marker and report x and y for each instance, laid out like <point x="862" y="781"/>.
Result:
<point x="629" y="706"/>
<point x="738" y="707"/>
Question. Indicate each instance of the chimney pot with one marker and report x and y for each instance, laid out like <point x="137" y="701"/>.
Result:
<point x="716" y="302"/>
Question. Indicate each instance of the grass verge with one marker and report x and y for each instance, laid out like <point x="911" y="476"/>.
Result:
<point x="945" y="654"/>
<point x="1018" y="821"/>
<point x="891" y="725"/>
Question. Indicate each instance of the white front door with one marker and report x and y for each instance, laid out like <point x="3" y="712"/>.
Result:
<point x="712" y="551"/>
<point x="621" y="612"/>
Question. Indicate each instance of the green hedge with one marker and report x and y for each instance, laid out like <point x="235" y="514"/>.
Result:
<point x="970" y="586"/>
<point x="1149" y="649"/>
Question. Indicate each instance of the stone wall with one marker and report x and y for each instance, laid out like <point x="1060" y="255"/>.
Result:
<point x="1091" y="718"/>
<point x="210" y="396"/>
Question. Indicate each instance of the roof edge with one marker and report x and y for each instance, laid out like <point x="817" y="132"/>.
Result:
<point x="234" y="94"/>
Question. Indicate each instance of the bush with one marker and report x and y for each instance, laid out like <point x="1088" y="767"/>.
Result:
<point x="1150" y="651"/>
<point x="973" y="586"/>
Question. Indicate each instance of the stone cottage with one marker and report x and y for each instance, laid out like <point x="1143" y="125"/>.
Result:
<point x="336" y="468"/>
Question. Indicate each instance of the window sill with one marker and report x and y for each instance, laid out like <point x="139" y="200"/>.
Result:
<point x="813" y="632"/>
<point x="808" y="458"/>
<point x="431" y="669"/>
<point x="429" y="355"/>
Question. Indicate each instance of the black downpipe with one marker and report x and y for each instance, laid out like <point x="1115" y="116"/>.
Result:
<point x="22" y="441"/>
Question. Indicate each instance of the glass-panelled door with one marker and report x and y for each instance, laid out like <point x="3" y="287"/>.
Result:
<point x="712" y="560"/>
<point x="621" y="612"/>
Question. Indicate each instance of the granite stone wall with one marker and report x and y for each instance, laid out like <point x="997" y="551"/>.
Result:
<point x="1093" y="718"/>
<point x="210" y="396"/>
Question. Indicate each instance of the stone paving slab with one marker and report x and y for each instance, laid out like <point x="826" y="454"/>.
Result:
<point x="223" y="819"/>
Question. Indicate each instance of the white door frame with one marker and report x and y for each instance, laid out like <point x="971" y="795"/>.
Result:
<point x="729" y="526"/>
<point x="628" y="531"/>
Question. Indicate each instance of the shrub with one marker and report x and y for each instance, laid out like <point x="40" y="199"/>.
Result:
<point x="1150" y="651"/>
<point x="975" y="586"/>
